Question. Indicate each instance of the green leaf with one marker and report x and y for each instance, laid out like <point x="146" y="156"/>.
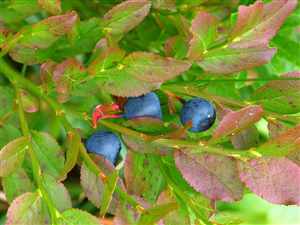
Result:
<point x="51" y="6"/>
<point x="105" y="57"/>
<point x="286" y="59"/>
<point x="72" y="147"/>
<point x="153" y="215"/>
<point x="229" y="60"/>
<point x="8" y="133"/>
<point x="6" y="100"/>
<point x="109" y="188"/>
<point x="236" y="121"/>
<point x="16" y="184"/>
<point x="125" y="16"/>
<point x="84" y="33"/>
<point x="27" y="209"/>
<point x="49" y="153"/>
<point x="77" y="217"/>
<point x="16" y="10"/>
<point x="58" y="193"/>
<point x="204" y="33"/>
<point x="149" y="125"/>
<point x="142" y="176"/>
<point x="281" y="96"/>
<point x="23" y="47"/>
<point x="12" y="155"/>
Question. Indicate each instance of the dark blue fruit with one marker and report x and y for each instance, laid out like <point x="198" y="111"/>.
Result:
<point x="104" y="143"/>
<point x="200" y="111"/>
<point x="143" y="106"/>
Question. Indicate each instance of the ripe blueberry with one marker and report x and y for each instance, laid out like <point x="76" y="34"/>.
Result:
<point x="104" y="143"/>
<point x="200" y="111"/>
<point x="146" y="105"/>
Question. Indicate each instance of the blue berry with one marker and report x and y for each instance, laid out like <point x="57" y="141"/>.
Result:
<point x="104" y="143"/>
<point x="200" y="111"/>
<point x="143" y="106"/>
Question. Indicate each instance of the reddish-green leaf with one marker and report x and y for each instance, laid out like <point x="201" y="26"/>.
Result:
<point x="93" y="185"/>
<point x="24" y="46"/>
<point x="125" y="16"/>
<point x="64" y="76"/>
<point x="258" y="23"/>
<point x="16" y="183"/>
<point x="236" y="121"/>
<point x="77" y="217"/>
<point x="30" y="103"/>
<point x="276" y="180"/>
<point x="282" y="144"/>
<point x="204" y="31"/>
<point x="178" y="216"/>
<point x="282" y="96"/>
<point x="230" y="60"/>
<point x="12" y="155"/>
<point x="164" y="5"/>
<point x="246" y="138"/>
<point x="121" y="83"/>
<point x="27" y="209"/>
<point x="140" y="73"/>
<point x="154" y="68"/>
<point x="215" y="176"/>
<point x="141" y="146"/>
<point x="142" y="176"/>
<point x="51" y="6"/>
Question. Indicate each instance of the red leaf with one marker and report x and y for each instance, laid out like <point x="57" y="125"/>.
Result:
<point x="236" y="121"/>
<point x="215" y="176"/>
<point x="276" y="180"/>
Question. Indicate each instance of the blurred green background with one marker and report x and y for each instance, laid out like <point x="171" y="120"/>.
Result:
<point x="254" y="210"/>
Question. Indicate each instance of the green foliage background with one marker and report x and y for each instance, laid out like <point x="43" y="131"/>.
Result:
<point x="81" y="91"/>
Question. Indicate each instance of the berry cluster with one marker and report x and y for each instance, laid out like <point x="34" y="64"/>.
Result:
<point x="199" y="111"/>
